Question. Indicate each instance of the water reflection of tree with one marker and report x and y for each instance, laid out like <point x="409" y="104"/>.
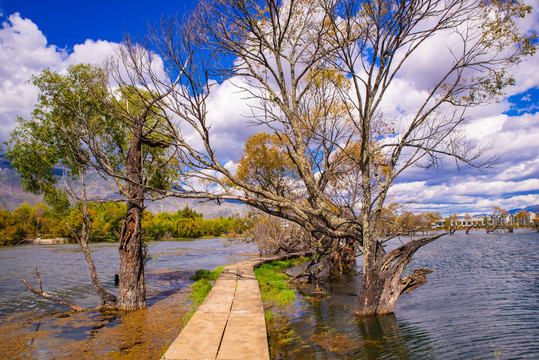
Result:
<point x="330" y="332"/>
<point x="386" y="337"/>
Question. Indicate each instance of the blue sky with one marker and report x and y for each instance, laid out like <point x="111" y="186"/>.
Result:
<point x="67" y="23"/>
<point x="54" y="34"/>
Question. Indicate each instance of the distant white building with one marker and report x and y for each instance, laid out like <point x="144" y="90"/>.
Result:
<point x="462" y="221"/>
<point x="479" y="221"/>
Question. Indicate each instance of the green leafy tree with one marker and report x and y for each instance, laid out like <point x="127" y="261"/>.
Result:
<point x="81" y="124"/>
<point x="54" y="137"/>
<point x="187" y="212"/>
<point x="28" y="222"/>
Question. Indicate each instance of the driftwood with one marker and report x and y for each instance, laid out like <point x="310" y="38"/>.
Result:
<point x="469" y="228"/>
<point x="58" y="300"/>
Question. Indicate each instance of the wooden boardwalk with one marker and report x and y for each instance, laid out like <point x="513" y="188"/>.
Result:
<point x="229" y="325"/>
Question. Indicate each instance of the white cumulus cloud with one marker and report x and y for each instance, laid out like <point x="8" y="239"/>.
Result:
<point x="24" y="52"/>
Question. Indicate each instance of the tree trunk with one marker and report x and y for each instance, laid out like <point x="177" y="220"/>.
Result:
<point x="108" y="301"/>
<point x="368" y="297"/>
<point x="132" y="288"/>
<point x="343" y="258"/>
<point x="382" y="283"/>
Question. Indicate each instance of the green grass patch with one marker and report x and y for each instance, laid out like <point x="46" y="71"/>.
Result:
<point x="274" y="288"/>
<point x="204" y="280"/>
<point x="278" y="296"/>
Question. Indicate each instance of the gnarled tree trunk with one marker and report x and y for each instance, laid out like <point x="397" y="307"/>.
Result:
<point x="382" y="283"/>
<point x="132" y="288"/>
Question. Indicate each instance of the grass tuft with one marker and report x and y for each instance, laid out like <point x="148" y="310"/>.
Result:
<point x="204" y="282"/>
<point x="273" y="283"/>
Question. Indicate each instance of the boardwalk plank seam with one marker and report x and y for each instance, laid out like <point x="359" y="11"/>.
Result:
<point x="229" y="312"/>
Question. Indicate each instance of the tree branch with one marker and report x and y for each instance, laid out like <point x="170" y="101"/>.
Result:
<point x="58" y="300"/>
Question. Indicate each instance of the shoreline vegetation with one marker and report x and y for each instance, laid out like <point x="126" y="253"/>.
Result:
<point x="41" y="224"/>
<point x="278" y="297"/>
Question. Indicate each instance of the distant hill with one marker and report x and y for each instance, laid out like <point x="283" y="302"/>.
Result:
<point x="533" y="208"/>
<point x="208" y="208"/>
<point x="12" y="196"/>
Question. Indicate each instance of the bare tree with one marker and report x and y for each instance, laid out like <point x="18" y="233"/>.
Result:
<point x="315" y="74"/>
<point x="274" y="235"/>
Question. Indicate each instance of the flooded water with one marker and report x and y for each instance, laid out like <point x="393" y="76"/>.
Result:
<point x="64" y="271"/>
<point x="34" y="328"/>
<point x="481" y="302"/>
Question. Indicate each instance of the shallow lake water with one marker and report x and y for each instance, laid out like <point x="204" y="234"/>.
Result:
<point x="481" y="302"/>
<point x="64" y="271"/>
<point x="35" y="328"/>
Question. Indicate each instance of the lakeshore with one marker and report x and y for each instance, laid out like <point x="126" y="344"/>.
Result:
<point x="480" y="302"/>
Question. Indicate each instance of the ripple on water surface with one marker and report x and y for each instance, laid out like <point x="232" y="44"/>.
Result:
<point x="64" y="270"/>
<point x="33" y="327"/>
<point x="482" y="302"/>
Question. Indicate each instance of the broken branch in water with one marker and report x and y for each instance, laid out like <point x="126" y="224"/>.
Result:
<point x="58" y="300"/>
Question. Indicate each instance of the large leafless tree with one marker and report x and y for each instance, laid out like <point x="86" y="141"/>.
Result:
<point x="315" y="75"/>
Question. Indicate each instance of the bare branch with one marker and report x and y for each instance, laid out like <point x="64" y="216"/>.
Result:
<point x="58" y="300"/>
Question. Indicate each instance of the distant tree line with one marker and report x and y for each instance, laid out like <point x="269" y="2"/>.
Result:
<point x="30" y="222"/>
<point x="395" y="220"/>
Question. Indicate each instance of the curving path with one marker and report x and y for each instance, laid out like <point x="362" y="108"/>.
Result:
<point x="230" y="322"/>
